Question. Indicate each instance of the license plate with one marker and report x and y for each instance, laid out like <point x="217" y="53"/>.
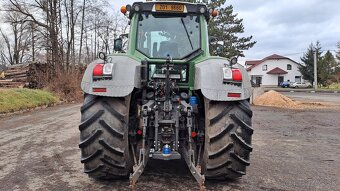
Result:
<point x="169" y="8"/>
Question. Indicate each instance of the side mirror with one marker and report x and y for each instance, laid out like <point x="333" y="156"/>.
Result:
<point x="212" y="39"/>
<point x="102" y="56"/>
<point x="216" y="44"/>
<point x="118" y="44"/>
<point x="233" y="61"/>
<point x="219" y="49"/>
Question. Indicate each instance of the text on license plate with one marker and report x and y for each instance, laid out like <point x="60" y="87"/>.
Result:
<point x="170" y="7"/>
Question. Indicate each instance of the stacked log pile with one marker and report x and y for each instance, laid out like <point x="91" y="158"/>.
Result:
<point x="15" y="76"/>
<point x="42" y="74"/>
<point x="39" y="74"/>
<point x="36" y="75"/>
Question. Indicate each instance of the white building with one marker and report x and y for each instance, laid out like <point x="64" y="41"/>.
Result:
<point x="273" y="70"/>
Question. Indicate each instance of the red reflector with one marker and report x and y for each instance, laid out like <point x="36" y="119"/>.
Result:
<point x="139" y="132"/>
<point x="99" y="89"/>
<point x="193" y="134"/>
<point x="237" y="75"/>
<point x="234" y="95"/>
<point x="98" y="70"/>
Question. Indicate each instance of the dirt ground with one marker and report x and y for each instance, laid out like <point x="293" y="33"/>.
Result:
<point x="293" y="150"/>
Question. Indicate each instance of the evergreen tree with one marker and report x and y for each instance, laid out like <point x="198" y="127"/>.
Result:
<point x="326" y="68"/>
<point x="307" y="67"/>
<point x="338" y="51"/>
<point x="226" y="28"/>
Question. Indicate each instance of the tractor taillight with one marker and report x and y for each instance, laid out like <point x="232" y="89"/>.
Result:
<point x="234" y="95"/>
<point x="232" y="75"/>
<point x="99" y="90"/>
<point x="227" y="74"/>
<point x="98" y="70"/>
<point x="103" y="70"/>
<point x="237" y="75"/>
<point x="108" y="69"/>
<point x="193" y="134"/>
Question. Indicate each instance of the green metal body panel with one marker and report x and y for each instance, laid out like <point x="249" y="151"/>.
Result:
<point x="129" y="64"/>
<point x="133" y="53"/>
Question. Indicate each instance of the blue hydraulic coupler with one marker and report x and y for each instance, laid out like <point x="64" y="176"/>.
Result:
<point x="193" y="100"/>
<point x="166" y="150"/>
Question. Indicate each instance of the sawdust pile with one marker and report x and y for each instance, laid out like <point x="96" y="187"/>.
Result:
<point x="275" y="99"/>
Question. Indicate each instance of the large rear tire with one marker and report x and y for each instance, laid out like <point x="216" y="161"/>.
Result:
<point x="104" y="137"/>
<point x="228" y="135"/>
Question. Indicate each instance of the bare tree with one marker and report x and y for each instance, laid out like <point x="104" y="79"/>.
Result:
<point x="58" y="31"/>
<point x="82" y="30"/>
<point x="17" y="39"/>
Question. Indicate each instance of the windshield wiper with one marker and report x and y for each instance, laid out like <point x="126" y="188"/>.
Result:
<point x="186" y="30"/>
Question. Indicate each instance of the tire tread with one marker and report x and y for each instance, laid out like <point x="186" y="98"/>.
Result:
<point x="104" y="137"/>
<point x="227" y="147"/>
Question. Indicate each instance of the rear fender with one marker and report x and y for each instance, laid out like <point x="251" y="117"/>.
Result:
<point x="209" y="79"/>
<point x="124" y="77"/>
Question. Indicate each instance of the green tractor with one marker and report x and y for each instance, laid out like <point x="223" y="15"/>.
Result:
<point x="165" y="98"/>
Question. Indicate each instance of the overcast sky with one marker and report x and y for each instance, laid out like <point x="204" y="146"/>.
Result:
<point x="285" y="27"/>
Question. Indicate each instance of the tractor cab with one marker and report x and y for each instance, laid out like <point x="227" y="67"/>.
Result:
<point x="162" y="29"/>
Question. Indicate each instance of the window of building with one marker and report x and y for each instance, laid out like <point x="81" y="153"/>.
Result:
<point x="298" y="79"/>
<point x="264" y="68"/>
<point x="289" y="67"/>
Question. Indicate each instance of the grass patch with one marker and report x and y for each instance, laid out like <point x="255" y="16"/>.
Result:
<point x="334" y="86"/>
<point x="12" y="100"/>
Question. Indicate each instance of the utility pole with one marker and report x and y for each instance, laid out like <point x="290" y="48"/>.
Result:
<point x="315" y="70"/>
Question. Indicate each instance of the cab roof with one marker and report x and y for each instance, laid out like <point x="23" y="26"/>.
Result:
<point x="150" y="7"/>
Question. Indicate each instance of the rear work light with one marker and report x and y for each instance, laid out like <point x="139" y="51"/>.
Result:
<point x="103" y="70"/>
<point x="232" y="75"/>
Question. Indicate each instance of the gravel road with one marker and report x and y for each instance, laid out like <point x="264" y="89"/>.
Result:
<point x="293" y="150"/>
<point x="330" y="98"/>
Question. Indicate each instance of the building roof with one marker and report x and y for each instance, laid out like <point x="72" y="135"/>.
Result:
<point x="277" y="70"/>
<point x="254" y="63"/>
